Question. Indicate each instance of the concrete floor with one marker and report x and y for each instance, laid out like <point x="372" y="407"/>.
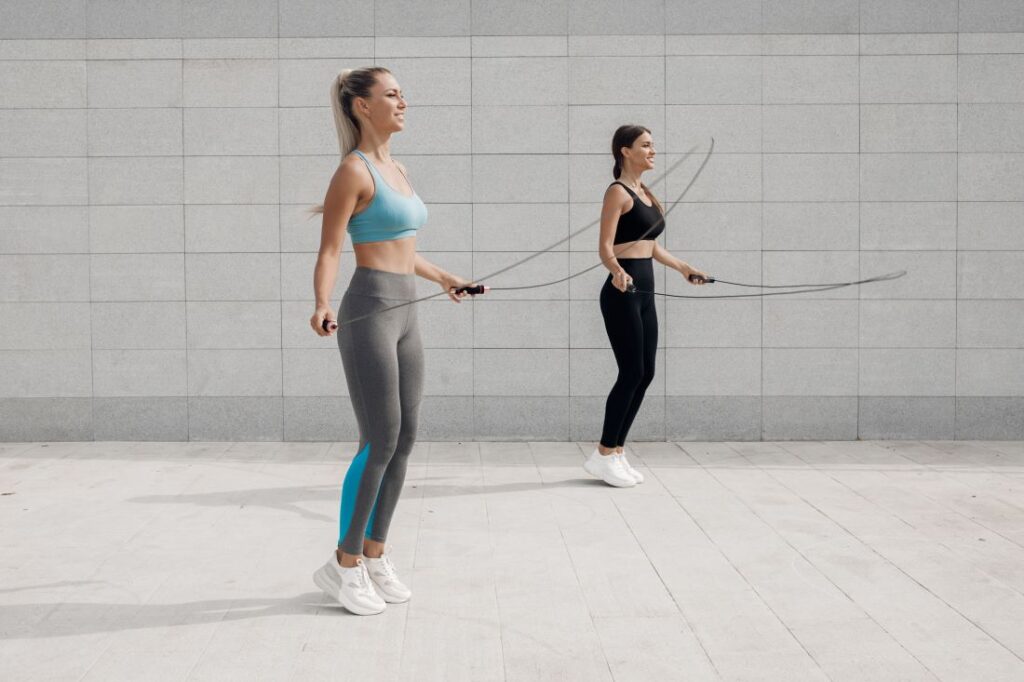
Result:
<point x="767" y="561"/>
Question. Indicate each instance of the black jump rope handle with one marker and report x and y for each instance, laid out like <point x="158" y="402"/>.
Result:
<point x="474" y="290"/>
<point x="696" y="279"/>
<point x="328" y="325"/>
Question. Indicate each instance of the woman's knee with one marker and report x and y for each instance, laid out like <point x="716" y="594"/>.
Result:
<point x="631" y="376"/>
<point x="385" y="443"/>
<point x="406" y="438"/>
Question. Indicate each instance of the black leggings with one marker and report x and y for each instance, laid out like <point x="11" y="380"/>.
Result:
<point x="632" y="325"/>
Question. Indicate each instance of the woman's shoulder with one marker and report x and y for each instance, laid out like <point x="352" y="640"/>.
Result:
<point x="355" y="165"/>
<point x="617" y="194"/>
<point x="351" y="173"/>
<point x="353" y="159"/>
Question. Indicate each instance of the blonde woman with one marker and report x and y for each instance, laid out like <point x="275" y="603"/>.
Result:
<point x="370" y="197"/>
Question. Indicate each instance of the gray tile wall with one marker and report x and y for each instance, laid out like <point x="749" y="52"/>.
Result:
<point x="156" y="159"/>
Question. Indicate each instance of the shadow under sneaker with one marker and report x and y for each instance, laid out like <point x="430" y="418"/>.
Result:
<point x="609" y="469"/>
<point x="349" y="586"/>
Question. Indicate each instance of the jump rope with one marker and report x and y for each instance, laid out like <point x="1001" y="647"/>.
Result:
<point x="478" y="289"/>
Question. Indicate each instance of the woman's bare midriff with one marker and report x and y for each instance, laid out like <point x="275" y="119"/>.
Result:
<point x="397" y="255"/>
<point x="642" y="248"/>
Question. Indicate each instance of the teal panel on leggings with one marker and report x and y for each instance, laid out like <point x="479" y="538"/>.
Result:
<point x="350" y="491"/>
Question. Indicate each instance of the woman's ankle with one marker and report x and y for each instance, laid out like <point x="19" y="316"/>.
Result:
<point x="346" y="560"/>
<point x="373" y="549"/>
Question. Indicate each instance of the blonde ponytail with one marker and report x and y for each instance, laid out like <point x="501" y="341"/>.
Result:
<point x="348" y="133"/>
<point x="349" y="84"/>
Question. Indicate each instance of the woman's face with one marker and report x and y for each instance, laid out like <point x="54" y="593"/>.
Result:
<point x="385" y="107"/>
<point x="641" y="152"/>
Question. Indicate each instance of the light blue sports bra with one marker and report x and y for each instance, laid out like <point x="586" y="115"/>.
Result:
<point x="389" y="216"/>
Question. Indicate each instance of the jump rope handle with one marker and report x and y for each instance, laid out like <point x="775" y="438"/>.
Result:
<point x="328" y="325"/>
<point x="473" y="290"/>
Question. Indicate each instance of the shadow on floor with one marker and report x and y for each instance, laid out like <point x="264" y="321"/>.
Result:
<point x="64" y="619"/>
<point x="288" y="499"/>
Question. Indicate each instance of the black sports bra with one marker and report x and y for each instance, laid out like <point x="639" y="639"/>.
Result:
<point x="634" y="223"/>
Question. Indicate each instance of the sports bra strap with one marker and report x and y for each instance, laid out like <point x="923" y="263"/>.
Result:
<point x="378" y="176"/>
<point x="369" y="164"/>
<point x="624" y="186"/>
<point x="399" y="167"/>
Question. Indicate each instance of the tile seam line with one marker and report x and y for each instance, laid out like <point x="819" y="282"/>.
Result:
<point x="88" y="218"/>
<point x="956" y="237"/>
<point x="901" y="570"/>
<point x="184" y="245"/>
<point x="761" y="600"/>
<point x="280" y="238"/>
<point x="786" y="541"/>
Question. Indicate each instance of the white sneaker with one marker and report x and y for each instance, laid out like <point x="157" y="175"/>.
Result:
<point x="637" y="476"/>
<point x="609" y="469"/>
<point x="349" y="586"/>
<point x="385" y="579"/>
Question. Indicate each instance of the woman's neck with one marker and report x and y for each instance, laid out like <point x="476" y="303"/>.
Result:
<point x="376" y="145"/>
<point x="630" y="179"/>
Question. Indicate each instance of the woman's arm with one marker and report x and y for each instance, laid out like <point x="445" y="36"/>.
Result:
<point x="661" y="255"/>
<point x="435" y="273"/>
<point x="615" y="201"/>
<point x="339" y="204"/>
<point x="429" y="271"/>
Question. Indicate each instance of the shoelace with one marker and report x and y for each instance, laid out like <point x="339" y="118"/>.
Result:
<point x="387" y="568"/>
<point x="361" y="578"/>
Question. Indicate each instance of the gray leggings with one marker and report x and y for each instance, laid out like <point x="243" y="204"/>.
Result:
<point x="383" y="360"/>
